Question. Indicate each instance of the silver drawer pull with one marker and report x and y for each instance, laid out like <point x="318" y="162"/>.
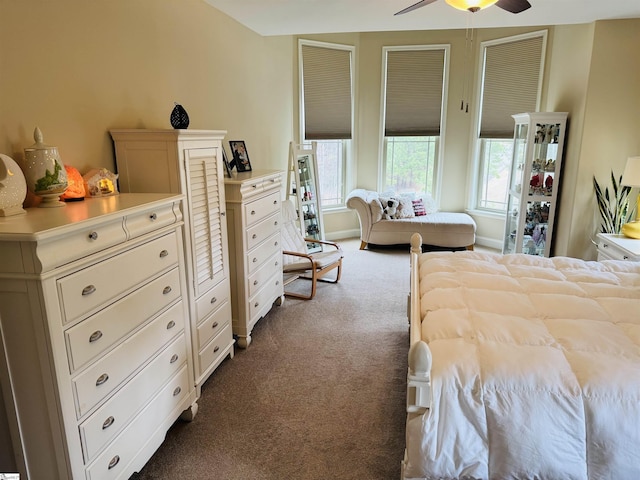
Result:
<point x="171" y="324"/>
<point x="102" y="379"/>
<point x="177" y="391"/>
<point x="255" y="282"/>
<point x="215" y="350"/>
<point x="255" y="260"/>
<point x="256" y="304"/>
<point x="275" y="223"/>
<point x="275" y="202"/>
<point x="605" y="245"/>
<point x="95" y="336"/>
<point x="114" y="461"/>
<point x="174" y="358"/>
<point x="253" y="212"/>
<point x="624" y="257"/>
<point x="93" y="236"/>
<point x="276" y="263"/>
<point x="254" y="186"/>
<point x="153" y="216"/>
<point x="108" y="422"/>
<point x="166" y="290"/>
<point x="163" y="253"/>
<point x="88" y="290"/>
<point x="277" y="282"/>
<point x="215" y="325"/>
<point x="254" y="236"/>
<point x="213" y="300"/>
<point x="275" y="243"/>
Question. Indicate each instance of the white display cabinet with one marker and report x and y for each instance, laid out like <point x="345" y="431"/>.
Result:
<point x="534" y="182"/>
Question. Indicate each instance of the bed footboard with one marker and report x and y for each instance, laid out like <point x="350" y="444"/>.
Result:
<point x="419" y="371"/>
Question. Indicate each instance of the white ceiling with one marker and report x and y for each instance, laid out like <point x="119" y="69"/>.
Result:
<point x="291" y="17"/>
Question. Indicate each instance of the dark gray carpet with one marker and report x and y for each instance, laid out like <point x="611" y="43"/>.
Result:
<point x="319" y="394"/>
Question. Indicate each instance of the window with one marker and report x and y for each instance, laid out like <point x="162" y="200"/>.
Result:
<point x="512" y="70"/>
<point x="326" y="114"/>
<point x="413" y="109"/>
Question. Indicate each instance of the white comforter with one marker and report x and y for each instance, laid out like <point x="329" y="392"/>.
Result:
<point x="536" y="369"/>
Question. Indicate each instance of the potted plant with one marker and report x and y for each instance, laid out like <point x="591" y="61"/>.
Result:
<point x="614" y="208"/>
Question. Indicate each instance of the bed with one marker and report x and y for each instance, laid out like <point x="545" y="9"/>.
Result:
<point x="522" y="367"/>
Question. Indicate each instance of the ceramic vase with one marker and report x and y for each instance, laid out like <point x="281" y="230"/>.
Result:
<point x="44" y="171"/>
<point x="179" y="118"/>
<point x="13" y="187"/>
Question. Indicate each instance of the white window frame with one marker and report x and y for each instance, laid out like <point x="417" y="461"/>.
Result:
<point x="437" y="187"/>
<point x="476" y="141"/>
<point x="348" y="146"/>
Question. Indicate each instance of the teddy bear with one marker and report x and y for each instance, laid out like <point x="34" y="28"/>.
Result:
<point x="389" y="207"/>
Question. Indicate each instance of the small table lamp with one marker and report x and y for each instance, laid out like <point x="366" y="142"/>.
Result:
<point x="631" y="178"/>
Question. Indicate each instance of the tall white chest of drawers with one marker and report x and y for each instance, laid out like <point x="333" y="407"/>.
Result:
<point x="189" y="162"/>
<point x="95" y="359"/>
<point x="254" y="217"/>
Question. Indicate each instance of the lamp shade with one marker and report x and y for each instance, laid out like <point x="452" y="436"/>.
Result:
<point x="472" y="5"/>
<point x="631" y="175"/>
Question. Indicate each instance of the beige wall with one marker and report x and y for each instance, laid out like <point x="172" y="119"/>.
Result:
<point x="76" y="69"/>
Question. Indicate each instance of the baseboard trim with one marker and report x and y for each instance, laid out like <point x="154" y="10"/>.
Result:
<point x="339" y="235"/>
<point x="489" y="242"/>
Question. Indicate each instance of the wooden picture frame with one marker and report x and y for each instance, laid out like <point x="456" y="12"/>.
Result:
<point x="227" y="166"/>
<point x="240" y="155"/>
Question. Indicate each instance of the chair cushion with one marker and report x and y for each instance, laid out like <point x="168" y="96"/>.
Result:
<point x="322" y="260"/>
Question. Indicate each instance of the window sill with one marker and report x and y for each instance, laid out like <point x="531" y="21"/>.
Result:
<point x="486" y="214"/>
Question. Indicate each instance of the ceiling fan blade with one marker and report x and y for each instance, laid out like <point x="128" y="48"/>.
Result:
<point x="421" y="3"/>
<point x="513" y="6"/>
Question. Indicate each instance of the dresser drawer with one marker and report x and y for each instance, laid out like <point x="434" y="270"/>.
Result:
<point x="212" y="300"/>
<point x="105" y="375"/>
<point x="257" y="257"/>
<point x="261" y="208"/>
<point x="151" y="220"/>
<point x="257" y="233"/>
<point x="259" y="279"/>
<point x="81" y="243"/>
<point x="213" y="325"/>
<point x="99" y="332"/>
<point x="112" y="462"/>
<point x="218" y="347"/>
<point x="261" y="303"/>
<point x="111" y="418"/>
<point x="87" y="289"/>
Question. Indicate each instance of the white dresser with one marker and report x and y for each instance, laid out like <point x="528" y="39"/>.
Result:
<point x="618" y="247"/>
<point x="95" y="361"/>
<point x="254" y="217"/>
<point x="189" y="162"/>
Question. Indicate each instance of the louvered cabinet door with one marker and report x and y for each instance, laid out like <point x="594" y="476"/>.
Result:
<point x="208" y="231"/>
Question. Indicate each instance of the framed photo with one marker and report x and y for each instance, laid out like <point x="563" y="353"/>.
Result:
<point x="225" y="161"/>
<point x="240" y="155"/>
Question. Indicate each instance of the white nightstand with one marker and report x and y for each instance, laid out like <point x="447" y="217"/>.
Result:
<point x="618" y="247"/>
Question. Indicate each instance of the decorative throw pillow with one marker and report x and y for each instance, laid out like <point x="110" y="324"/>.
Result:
<point x="405" y="208"/>
<point x="429" y="204"/>
<point x="418" y="208"/>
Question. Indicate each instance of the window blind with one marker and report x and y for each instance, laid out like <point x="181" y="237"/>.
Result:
<point x="512" y="74"/>
<point x="414" y="89"/>
<point x="326" y="83"/>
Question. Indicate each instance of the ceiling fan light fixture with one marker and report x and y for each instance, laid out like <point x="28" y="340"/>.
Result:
<point x="471" y="5"/>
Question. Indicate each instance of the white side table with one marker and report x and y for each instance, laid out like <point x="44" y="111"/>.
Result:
<point x="618" y="247"/>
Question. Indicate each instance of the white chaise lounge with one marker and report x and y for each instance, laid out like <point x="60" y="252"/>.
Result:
<point x="448" y="230"/>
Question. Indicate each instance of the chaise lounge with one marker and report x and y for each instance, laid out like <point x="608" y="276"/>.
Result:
<point x="444" y="230"/>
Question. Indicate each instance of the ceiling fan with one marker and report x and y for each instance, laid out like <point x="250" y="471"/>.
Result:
<point x="513" y="6"/>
